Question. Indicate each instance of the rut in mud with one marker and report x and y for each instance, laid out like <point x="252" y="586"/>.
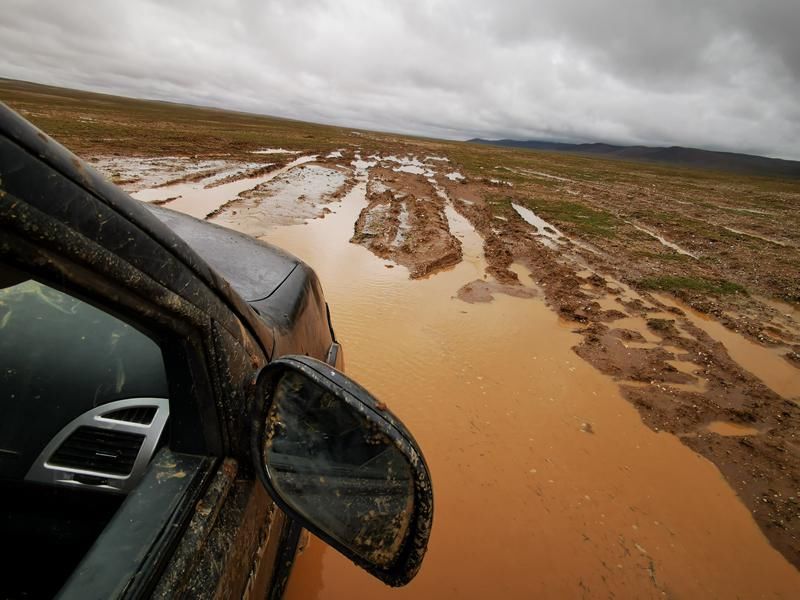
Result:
<point x="446" y="232"/>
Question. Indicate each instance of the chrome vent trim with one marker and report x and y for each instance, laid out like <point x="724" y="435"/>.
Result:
<point x="136" y="414"/>
<point x="60" y="462"/>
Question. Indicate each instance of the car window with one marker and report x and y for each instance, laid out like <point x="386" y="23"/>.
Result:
<point x="61" y="359"/>
<point x="83" y="408"/>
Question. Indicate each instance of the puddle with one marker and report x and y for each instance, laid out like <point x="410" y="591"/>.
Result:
<point x="523" y="274"/>
<point x="471" y="242"/>
<point x="362" y="166"/>
<point x="666" y="243"/>
<point x="765" y="363"/>
<point x="547" y="482"/>
<point x="293" y="196"/>
<point x="414" y="170"/>
<point x="134" y="173"/>
<point x="727" y="428"/>
<point x="194" y="199"/>
<point x="275" y="151"/>
<point x="552" y="236"/>
<point x="784" y="308"/>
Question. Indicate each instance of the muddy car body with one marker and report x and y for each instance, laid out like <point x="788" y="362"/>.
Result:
<point x="232" y="320"/>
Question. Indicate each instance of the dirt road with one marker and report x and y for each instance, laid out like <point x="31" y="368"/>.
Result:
<point x="520" y="359"/>
<point x="601" y="360"/>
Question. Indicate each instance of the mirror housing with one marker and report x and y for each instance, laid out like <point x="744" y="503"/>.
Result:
<point x="338" y="462"/>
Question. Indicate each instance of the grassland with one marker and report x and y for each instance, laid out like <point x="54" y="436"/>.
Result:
<point x="724" y="220"/>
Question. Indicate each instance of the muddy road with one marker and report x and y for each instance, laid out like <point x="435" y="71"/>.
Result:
<point x="587" y="437"/>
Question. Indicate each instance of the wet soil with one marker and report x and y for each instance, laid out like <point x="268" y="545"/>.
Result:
<point x="555" y="476"/>
<point x="729" y="396"/>
<point x="547" y="483"/>
<point x="405" y="221"/>
<point x="677" y="287"/>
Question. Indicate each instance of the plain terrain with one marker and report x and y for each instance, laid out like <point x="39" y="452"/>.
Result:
<point x="683" y="283"/>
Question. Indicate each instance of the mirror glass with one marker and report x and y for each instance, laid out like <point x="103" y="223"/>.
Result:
<point x="337" y="468"/>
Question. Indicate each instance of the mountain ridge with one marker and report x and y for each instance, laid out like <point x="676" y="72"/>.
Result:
<point x="746" y="164"/>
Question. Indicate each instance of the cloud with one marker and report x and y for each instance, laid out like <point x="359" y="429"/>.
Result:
<point x="722" y="74"/>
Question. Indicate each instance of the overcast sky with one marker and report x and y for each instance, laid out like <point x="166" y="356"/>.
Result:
<point x="720" y="74"/>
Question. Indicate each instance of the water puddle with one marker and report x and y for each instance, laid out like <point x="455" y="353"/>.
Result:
<point x="727" y="428"/>
<point x="665" y="242"/>
<point x="194" y="199"/>
<point x="765" y="363"/>
<point x="275" y="151"/>
<point x="362" y="166"/>
<point x="547" y="482"/>
<point x="471" y="241"/>
<point x="551" y="236"/>
<point x="414" y="170"/>
<point x="292" y="196"/>
<point x="136" y="173"/>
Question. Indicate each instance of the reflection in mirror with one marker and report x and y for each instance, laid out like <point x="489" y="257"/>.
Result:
<point x="332" y="463"/>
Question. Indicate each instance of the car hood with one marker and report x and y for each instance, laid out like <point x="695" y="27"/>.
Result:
<point x="253" y="268"/>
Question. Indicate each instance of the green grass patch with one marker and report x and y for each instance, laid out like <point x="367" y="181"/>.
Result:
<point x="670" y="283"/>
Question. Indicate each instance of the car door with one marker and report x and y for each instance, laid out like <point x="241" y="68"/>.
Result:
<point x="196" y="522"/>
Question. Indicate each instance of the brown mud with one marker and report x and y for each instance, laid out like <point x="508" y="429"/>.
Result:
<point x="741" y="412"/>
<point x="678" y="287"/>
<point x="764" y="470"/>
<point x="405" y="221"/>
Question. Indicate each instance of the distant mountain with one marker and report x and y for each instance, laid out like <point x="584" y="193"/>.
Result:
<point x="674" y="155"/>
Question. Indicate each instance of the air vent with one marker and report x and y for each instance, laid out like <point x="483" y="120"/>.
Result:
<point x="106" y="448"/>
<point x="135" y="414"/>
<point x="99" y="450"/>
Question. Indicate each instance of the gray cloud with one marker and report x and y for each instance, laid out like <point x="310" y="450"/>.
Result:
<point x="722" y="74"/>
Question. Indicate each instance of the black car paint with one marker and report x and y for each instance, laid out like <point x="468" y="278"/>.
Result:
<point x="77" y="230"/>
<point x="284" y="291"/>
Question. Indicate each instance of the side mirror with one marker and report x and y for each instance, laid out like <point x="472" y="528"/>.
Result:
<point x="336" y="460"/>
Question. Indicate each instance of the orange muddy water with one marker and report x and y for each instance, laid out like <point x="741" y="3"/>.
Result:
<point x="546" y="482"/>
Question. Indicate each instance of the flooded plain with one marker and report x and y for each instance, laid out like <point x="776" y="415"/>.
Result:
<point x="587" y="436"/>
<point x="547" y="482"/>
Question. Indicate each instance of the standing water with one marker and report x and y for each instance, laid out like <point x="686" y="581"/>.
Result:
<point x="546" y="482"/>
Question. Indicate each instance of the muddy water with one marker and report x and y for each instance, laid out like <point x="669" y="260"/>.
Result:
<point x="731" y="429"/>
<point x="194" y="199"/>
<point x="765" y="363"/>
<point x="547" y="484"/>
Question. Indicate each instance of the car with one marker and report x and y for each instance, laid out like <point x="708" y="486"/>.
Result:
<point x="173" y="412"/>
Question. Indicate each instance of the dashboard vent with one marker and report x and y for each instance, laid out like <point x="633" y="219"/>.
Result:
<point x="135" y="414"/>
<point x="99" y="450"/>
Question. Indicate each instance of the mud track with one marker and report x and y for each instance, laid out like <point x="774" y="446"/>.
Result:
<point x="764" y="469"/>
<point x="404" y="221"/>
<point x="681" y="379"/>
